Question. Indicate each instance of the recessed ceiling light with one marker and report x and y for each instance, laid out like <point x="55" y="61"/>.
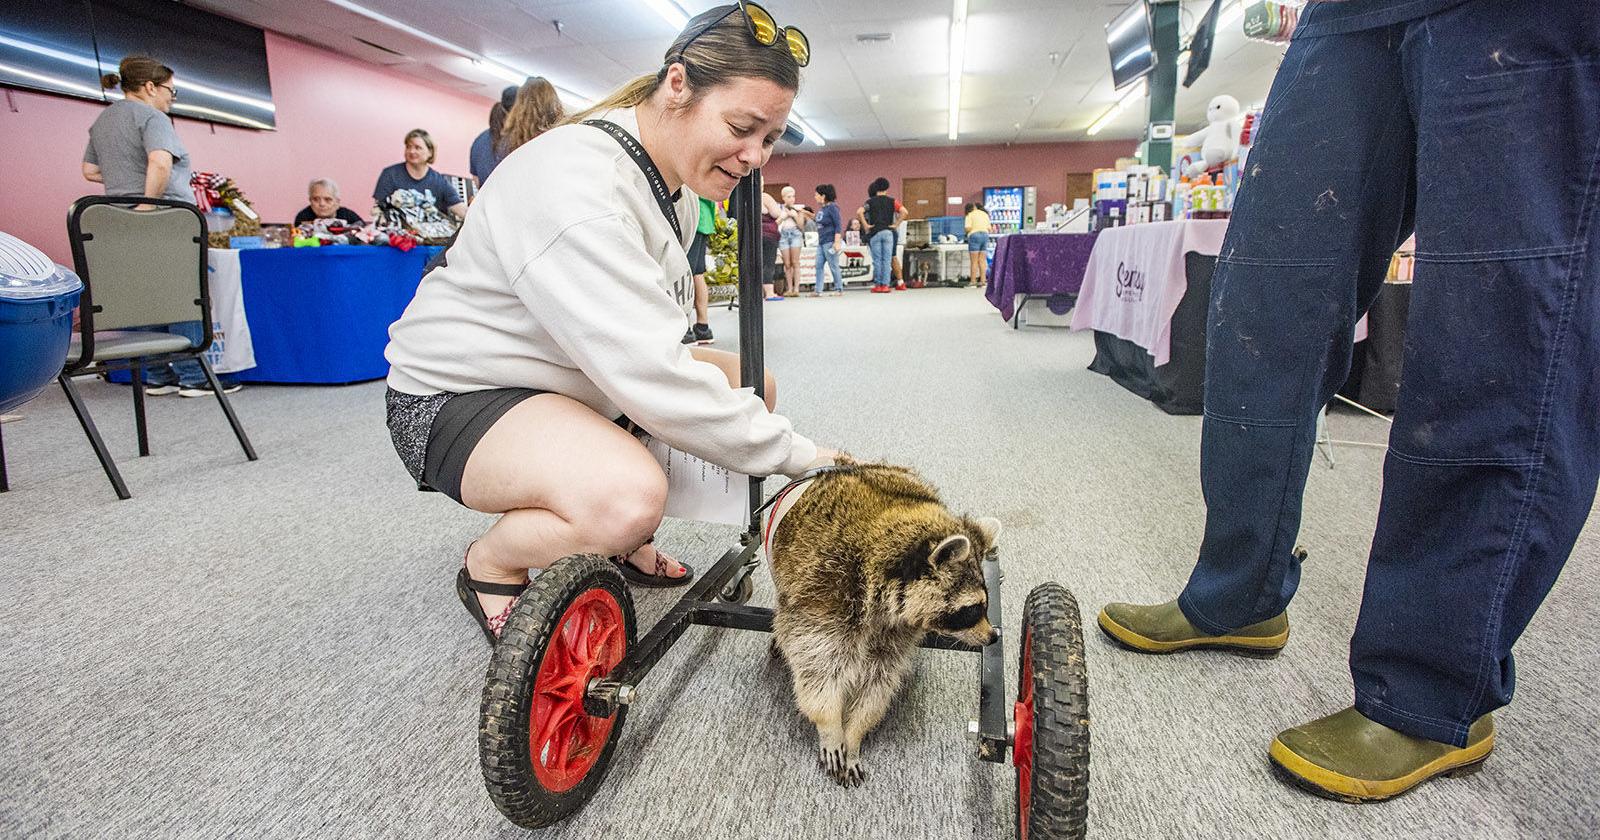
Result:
<point x="874" y="37"/>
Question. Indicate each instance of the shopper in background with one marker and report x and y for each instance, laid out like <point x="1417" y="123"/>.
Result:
<point x="977" y="224"/>
<point x="134" y="150"/>
<point x="482" y="157"/>
<point x="852" y="234"/>
<point x="405" y="190"/>
<point x="791" y="237"/>
<point x="322" y="196"/>
<point x="700" y="333"/>
<point x="770" y="211"/>
<point x="537" y="109"/>
<point x="880" y="216"/>
<point x="830" y="237"/>
<point x="559" y="308"/>
<point x="1494" y="453"/>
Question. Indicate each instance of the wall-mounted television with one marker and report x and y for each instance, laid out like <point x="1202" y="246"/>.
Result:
<point x="63" y="46"/>
<point x="1129" y="41"/>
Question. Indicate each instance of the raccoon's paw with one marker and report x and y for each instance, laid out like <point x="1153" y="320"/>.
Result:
<point x="854" y="774"/>
<point x="843" y="767"/>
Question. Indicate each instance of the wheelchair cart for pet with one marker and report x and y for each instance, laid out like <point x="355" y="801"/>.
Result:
<point x="570" y="658"/>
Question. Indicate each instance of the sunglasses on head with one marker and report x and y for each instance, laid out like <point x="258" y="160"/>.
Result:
<point x="764" y="29"/>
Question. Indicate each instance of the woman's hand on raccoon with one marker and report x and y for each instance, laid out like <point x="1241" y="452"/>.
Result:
<point x="828" y="457"/>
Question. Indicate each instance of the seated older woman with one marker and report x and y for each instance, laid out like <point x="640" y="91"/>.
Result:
<point x="323" y="194"/>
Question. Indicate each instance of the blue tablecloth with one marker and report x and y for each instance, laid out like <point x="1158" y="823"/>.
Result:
<point x="322" y="315"/>
<point x="1038" y="264"/>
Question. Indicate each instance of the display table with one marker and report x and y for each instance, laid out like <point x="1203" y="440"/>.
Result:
<point x="322" y="315"/>
<point x="1050" y="266"/>
<point x="1149" y="317"/>
<point x="1135" y="279"/>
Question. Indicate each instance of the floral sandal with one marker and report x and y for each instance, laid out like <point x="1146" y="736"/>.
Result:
<point x="466" y="589"/>
<point x="661" y="579"/>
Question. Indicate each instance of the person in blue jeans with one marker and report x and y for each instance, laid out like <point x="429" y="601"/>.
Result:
<point x="880" y="217"/>
<point x="830" y="237"/>
<point x="184" y="377"/>
<point x="1475" y="123"/>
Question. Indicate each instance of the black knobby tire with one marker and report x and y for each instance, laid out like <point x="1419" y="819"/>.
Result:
<point x="504" y="738"/>
<point x="1052" y="643"/>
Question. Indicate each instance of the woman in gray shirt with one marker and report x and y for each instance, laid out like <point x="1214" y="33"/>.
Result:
<point x="134" y="150"/>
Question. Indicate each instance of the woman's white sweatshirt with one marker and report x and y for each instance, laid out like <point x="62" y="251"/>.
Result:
<point x="566" y="277"/>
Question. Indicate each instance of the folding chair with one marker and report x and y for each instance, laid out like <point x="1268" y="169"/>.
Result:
<point x="139" y="268"/>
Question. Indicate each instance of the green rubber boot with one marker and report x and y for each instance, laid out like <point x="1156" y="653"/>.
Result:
<point x="1352" y="758"/>
<point x="1164" y="629"/>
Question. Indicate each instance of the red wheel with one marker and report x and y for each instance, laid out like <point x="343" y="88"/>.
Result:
<point x="543" y="756"/>
<point x="1022" y="741"/>
<point x="588" y="643"/>
<point x="1050" y="745"/>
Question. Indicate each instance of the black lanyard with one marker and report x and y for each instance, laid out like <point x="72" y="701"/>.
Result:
<point x="647" y="166"/>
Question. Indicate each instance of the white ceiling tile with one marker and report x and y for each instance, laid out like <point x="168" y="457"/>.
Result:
<point x="602" y="43"/>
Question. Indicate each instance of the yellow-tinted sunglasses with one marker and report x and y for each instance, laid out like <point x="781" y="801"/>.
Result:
<point x="764" y="29"/>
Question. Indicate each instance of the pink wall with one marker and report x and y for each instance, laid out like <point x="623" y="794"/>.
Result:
<point x="966" y="169"/>
<point x="337" y="118"/>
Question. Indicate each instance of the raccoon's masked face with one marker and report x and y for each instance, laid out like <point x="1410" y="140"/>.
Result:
<point x="943" y="584"/>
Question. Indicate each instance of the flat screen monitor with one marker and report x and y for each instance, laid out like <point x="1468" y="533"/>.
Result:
<point x="64" y="46"/>
<point x="220" y="64"/>
<point x="48" y="45"/>
<point x="1128" y="39"/>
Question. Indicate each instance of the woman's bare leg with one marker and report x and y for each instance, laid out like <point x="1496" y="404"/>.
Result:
<point x="567" y="481"/>
<point x="791" y="268"/>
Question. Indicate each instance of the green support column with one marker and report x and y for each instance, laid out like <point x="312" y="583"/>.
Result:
<point x="1163" y="82"/>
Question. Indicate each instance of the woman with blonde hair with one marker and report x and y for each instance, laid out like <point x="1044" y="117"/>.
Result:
<point x="524" y="363"/>
<point x="536" y="110"/>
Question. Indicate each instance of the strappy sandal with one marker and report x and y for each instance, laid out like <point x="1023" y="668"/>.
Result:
<point x="465" y="589"/>
<point x="659" y="580"/>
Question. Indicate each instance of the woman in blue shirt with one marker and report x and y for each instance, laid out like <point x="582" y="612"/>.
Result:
<point x="830" y="237"/>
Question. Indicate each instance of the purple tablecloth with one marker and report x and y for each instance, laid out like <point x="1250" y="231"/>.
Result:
<point x="1038" y="264"/>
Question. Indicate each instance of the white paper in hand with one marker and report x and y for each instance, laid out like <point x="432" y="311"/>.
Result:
<point x="700" y="490"/>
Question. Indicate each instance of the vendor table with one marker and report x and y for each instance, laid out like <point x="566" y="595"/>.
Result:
<point x="322" y="315"/>
<point x="1047" y="266"/>
<point x="1147" y="292"/>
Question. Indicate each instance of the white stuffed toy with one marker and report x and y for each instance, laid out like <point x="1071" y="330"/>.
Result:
<point x="1218" y="142"/>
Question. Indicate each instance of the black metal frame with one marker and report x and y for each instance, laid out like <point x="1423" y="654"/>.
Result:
<point x="1016" y="315"/>
<point x="699" y="605"/>
<point x="85" y="363"/>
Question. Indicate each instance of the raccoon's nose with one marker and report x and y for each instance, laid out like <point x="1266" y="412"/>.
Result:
<point x="994" y="636"/>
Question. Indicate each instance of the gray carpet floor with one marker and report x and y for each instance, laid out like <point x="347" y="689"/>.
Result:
<point x="273" y="649"/>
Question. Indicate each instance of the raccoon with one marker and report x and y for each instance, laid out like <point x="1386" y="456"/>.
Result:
<point x="866" y="562"/>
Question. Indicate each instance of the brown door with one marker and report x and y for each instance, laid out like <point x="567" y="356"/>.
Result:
<point x="1079" y="185"/>
<point x="923" y="197"/>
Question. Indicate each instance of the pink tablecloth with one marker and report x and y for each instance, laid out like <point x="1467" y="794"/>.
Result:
<point x="1135" y="279"/>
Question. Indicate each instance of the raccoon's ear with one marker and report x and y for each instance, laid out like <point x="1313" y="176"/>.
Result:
<point x="951" y="549"/>
<point x="990" y="528"/>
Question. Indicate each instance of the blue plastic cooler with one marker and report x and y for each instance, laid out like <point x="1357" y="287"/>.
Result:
<point x="37" y="298"/>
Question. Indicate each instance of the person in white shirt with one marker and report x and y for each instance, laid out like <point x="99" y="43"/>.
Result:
<point x="553" y="326"/>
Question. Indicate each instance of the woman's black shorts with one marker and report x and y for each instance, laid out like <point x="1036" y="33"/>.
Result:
<point x="436" y="433"/>
<point x="697" y="255"/>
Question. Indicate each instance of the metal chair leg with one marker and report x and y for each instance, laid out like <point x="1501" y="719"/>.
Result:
<point x="227" y="408"/>
<point x="138" y="408"/>
<point x="99" y="445"/>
